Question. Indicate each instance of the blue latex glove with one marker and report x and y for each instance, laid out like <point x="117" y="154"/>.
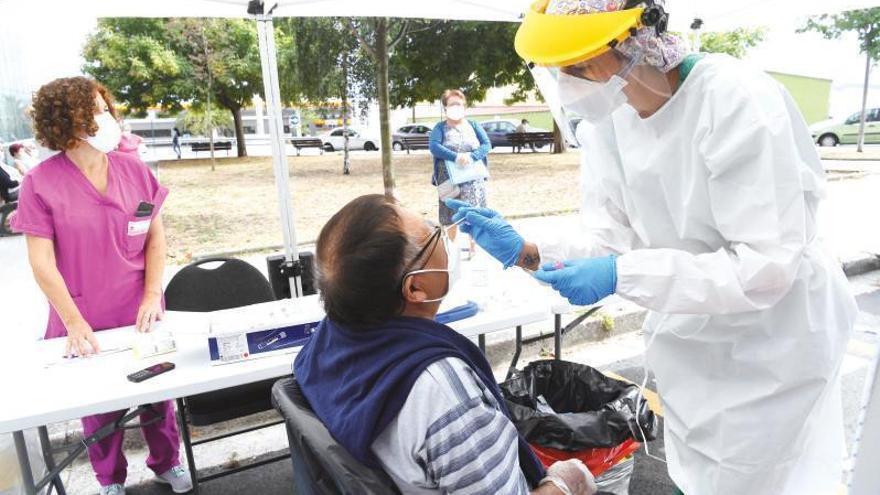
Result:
<point x="582" y="282"/>
<point x="490" y="230"/>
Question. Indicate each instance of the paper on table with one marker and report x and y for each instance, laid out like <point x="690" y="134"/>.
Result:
<point x="186" y="322"/>
<point x="65" y="361"/>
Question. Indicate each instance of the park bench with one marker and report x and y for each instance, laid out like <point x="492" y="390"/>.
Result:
<point x="307" y="142"/>
<point x="415" y="143"/>
<point x="197" y="146"/>
<point x="520" y="139"/>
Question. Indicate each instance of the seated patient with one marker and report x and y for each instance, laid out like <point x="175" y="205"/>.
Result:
<point x="398" y="390"/>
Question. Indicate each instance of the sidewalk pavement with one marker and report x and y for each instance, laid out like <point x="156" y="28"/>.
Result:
<point x="849" y="152"/>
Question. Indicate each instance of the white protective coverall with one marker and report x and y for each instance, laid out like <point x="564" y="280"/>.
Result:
<point x="711" y="204"/>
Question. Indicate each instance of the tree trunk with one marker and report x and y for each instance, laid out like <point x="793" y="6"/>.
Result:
<point x="346" y="165"/>
<point x="864" y="103"/>
<point x="239" y="132"/>
<point x="559" y="145"/>
<point x="208" y="115"/>
<point x="384" y="97"/>
<point x="210" y="125"/>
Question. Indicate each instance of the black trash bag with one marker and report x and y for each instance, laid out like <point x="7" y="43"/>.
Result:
<point x="589" y="409"/>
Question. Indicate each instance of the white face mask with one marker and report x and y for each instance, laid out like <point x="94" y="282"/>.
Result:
<point x="594" y="100"/>
<point x="455" y="112"/>
<point x="106" y="139"/>
<point x="453" y="267"/>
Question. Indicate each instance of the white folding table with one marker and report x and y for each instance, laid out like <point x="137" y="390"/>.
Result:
<point x="80" y="387"/>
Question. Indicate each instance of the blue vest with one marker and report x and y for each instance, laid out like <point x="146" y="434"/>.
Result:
<point x="357" y="379"/>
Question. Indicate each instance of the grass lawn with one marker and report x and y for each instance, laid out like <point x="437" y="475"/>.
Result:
<point x="234" y="208"/>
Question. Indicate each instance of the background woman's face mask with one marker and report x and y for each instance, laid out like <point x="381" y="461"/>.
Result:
<point x="455" y="112"/>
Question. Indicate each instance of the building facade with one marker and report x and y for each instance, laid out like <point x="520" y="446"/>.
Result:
<point x="14" y="94"/>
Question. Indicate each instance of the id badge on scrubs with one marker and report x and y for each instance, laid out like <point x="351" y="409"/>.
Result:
<point x="138" y="227"/>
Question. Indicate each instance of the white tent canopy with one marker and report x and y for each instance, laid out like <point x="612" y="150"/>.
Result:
<point x="716" y="14"/>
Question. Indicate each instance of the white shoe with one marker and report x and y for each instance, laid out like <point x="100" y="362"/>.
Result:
<point x="114" y="489"/>
<point x="178" y="478"/>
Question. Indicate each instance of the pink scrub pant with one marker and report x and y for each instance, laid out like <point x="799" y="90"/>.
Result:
<point x="107" y="458"/>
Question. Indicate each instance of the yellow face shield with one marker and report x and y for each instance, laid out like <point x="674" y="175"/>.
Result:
<point x="561" y="40"/>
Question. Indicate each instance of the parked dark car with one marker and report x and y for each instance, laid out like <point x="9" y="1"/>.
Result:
<point x="411" y="130"/>
<point x="499" y="129"/>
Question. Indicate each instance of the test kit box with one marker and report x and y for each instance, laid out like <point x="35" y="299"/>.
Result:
<point x="260" y="330"/>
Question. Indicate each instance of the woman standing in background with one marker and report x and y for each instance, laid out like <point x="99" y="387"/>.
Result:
<point x="463" y="142"/>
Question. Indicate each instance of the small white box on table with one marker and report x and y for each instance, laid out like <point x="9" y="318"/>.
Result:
<point x="263" y="329"/>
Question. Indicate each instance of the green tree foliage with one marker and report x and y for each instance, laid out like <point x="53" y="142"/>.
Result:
<point x="413" y="62"/>
<point x="147" y="62"/>
<point x="134" y="59"/>
<point x="866" y="24"/>
<point x="317" y="50"/>
<point x="321" y="61"/>
<point x="199" y="121"/>
<point x="734" y="43"/>
<point x="471" y="56"/>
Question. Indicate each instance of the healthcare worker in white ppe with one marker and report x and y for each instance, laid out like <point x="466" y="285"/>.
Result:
<point x="700" y="188"/>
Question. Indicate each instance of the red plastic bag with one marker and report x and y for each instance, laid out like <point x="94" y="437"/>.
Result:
<point x="597" y="460"/>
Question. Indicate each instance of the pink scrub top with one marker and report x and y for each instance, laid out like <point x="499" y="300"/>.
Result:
<point x="129" y="143"/>
<point x="99" y="242"/>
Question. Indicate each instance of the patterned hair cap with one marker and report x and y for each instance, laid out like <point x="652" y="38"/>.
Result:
<point x="664" y="52"/>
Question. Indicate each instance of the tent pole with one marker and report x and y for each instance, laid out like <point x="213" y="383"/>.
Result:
<point x="266" y="35"/>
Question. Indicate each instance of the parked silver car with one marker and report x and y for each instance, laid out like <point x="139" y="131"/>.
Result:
<point x="409" y="130"/>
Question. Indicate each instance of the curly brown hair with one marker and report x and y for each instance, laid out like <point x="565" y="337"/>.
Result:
<point x="65" y="107"/>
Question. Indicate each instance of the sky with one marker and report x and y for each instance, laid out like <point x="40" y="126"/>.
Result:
<point x="53" y="45"/>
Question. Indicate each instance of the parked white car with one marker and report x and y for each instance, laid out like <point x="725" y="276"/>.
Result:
<point x="335" y="140"/>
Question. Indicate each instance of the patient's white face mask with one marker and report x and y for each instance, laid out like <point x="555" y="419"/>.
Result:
<point x="453" y="266"/>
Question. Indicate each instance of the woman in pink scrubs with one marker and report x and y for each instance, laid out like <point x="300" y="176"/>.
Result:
<point x="97" y="249"/>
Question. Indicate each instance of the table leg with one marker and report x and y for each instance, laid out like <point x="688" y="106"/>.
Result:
<point x="516" y="353"/>
<point x="24" y="463"/>
<point x="187" y="445"/>
<point x="481" y="342"/>
<point x="557" y="337"/>
<point x="46" y="446"/>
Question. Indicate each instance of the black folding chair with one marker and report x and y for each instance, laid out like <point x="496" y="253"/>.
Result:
<point x="321" y="466"/>
<point x="232" y="284"/>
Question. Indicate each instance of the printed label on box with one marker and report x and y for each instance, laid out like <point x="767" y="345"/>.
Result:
<point x="232" y="347"/>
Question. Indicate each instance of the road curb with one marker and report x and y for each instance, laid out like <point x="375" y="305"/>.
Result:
<point x="851" y="159"/>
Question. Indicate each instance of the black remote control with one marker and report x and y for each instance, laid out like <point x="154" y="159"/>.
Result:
<point x="147" y="373"/>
